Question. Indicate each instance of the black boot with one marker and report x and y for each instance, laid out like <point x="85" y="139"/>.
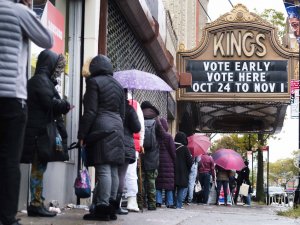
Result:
<point x="119" y="209"/>
<point x="39" y="211"/>
<point x="101" y="213"/>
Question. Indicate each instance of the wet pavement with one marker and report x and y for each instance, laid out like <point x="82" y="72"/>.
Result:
<point x="192" y="214"/>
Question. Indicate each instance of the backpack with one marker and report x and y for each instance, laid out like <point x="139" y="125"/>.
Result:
<point x="150" y="135"/>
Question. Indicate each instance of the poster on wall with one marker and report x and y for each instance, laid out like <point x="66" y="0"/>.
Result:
<point x="54" y="20"/>
<point x="293" y="11"/>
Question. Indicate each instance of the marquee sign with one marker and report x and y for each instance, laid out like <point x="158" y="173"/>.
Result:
<point x="239" y="57"/>
<point x="260" y="76"/>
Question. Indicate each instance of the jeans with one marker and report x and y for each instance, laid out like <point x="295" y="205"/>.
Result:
<point x="107" y="183"/>
<point x="247" y="199"/>
<point x="169" y="197"/>
<point x="180" y="191"/>
<point x="121" y="173"/>
<point x="221" y="183"/>
<point x="13" y="118"/>
<point x="192" y="179"/>
<point x="205" y="184"/>
<point x="36" y="182"/>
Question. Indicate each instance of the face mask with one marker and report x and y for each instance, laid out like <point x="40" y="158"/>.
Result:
<point x="59" y="68"/>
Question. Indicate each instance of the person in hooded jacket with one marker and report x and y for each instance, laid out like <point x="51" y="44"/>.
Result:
<point x="166" y="175"/>
<point x="184" y="162"/>
<point x="43" y="98"/>
<point x="101" y="130"/>
<point x="150" y="158"/>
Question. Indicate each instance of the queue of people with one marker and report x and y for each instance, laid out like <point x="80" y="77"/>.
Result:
<point x="115" y="130"/>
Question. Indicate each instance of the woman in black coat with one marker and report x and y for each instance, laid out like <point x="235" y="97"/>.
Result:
<point x="184" y="162"/>
<point x="43" y="100"/>
<point x="131" y="125"/>
<point x="101" y="129"/>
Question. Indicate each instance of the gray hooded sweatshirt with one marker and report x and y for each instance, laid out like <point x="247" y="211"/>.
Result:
<point x="18" y="24"/>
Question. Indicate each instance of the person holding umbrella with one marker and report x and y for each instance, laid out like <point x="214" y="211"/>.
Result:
<point x="206" y="169"/>
<point x="222" y="181"/>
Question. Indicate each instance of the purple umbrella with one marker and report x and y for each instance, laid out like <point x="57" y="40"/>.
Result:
<point x="136" y="79"/>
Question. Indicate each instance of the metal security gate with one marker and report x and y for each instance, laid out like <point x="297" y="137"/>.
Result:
<point x="126" y="53"/>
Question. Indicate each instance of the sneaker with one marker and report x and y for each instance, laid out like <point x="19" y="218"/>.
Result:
<point x="171" y="206"/>
<point x="180" y="207"/>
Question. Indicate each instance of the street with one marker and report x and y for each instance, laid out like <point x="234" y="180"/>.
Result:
<point x="193" y="214"/>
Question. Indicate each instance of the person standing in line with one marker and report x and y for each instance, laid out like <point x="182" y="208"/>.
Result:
<point x="189" y="191"/>
<point x="222" y="181"/>
<point x="104" y="113"/>
<point x="41" y="103"/>
<point x="131" y="177"/>
<point x="150" y="158"/>
<point x="166" y="175"/>
<point x="131" y="125"/>
<point x="183" y="166"/>
<point x="19" y="25"/>
<point x="206" y="170"/>
<point x="243" y="177"/>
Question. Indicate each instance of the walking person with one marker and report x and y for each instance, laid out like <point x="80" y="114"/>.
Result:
<point x="183" y="166"/>
<point x="206" y="169"/>
<point x="43" y="102"/>
<point x="131" y="125"/>
<point x="150" y="158"/>
<point x="104" y="113"/>
<point x="19" y="25"/>
<point x="166" y="174"/>
<point x="131" y="178"/>
<point x="222" y="181"/>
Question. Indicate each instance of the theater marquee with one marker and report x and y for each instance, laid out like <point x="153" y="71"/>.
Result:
<point x="239" y="58"/>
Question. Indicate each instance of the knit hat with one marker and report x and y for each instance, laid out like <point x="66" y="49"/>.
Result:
<point x="147" y="104"/>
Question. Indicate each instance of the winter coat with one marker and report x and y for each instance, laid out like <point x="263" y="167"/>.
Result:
<point x="150" y="159"/>
<point x="19" y="24"/>
<point x="104" y="112"/>
<point x="222" y="174"/>
<point x="167" y="157"/>
<point x="42" y="98"/>
<point x="184" y="161"/>
<point x="131" y="125"/>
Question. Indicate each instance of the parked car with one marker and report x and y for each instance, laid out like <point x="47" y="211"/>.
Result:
<point x="276" y="191"/>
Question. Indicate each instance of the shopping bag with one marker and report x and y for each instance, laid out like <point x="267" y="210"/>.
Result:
<point x="244" y="189"/>
<point x="198" y="187"/>
<point x="82" y="184"/>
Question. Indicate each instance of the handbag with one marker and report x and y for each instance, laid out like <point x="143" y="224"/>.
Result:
<point x="198" y="187"/>
<point x="49" y="144"/>
<point x="82" y="182"/>
<point x="244" y="189"/>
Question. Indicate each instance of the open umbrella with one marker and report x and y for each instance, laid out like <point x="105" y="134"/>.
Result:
<point x="198" y="144"/>
<point x="228" y="159"/>
<point x="140" y="80"/>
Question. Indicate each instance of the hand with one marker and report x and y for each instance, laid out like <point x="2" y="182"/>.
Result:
<point x="142" y="150"/>
<point x="80" y="142"/>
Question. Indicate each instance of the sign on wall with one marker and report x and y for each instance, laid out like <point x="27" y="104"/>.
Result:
<point x="231" y="76"/>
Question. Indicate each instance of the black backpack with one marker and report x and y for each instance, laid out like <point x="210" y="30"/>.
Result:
<point x="150" y="135"/>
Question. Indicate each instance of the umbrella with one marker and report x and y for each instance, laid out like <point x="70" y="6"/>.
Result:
<point x="228" y="159"/>
<point x="198" y="144"/>
<point x="136" y="79"/>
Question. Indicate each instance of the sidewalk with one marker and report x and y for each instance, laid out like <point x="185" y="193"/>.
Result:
<point x="192" y="214"/>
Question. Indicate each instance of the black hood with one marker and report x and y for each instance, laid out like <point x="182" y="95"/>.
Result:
<point x="46" y="62"/>
<point x="181" y="138"/>
<point x="101" y="65"/>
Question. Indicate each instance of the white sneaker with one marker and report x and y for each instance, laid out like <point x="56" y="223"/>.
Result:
<point x="132" y="204"/>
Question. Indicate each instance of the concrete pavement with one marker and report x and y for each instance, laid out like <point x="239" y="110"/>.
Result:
<point x="193" y="214"/>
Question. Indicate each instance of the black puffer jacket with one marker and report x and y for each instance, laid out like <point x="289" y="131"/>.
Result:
<point x="184" y="160"/>
<point x="131" y="125"/>
<point x="42" y="95"/>
<point x="104" y="111"/>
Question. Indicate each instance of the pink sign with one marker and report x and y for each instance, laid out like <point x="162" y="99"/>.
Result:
<point x="55" y="22"/>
